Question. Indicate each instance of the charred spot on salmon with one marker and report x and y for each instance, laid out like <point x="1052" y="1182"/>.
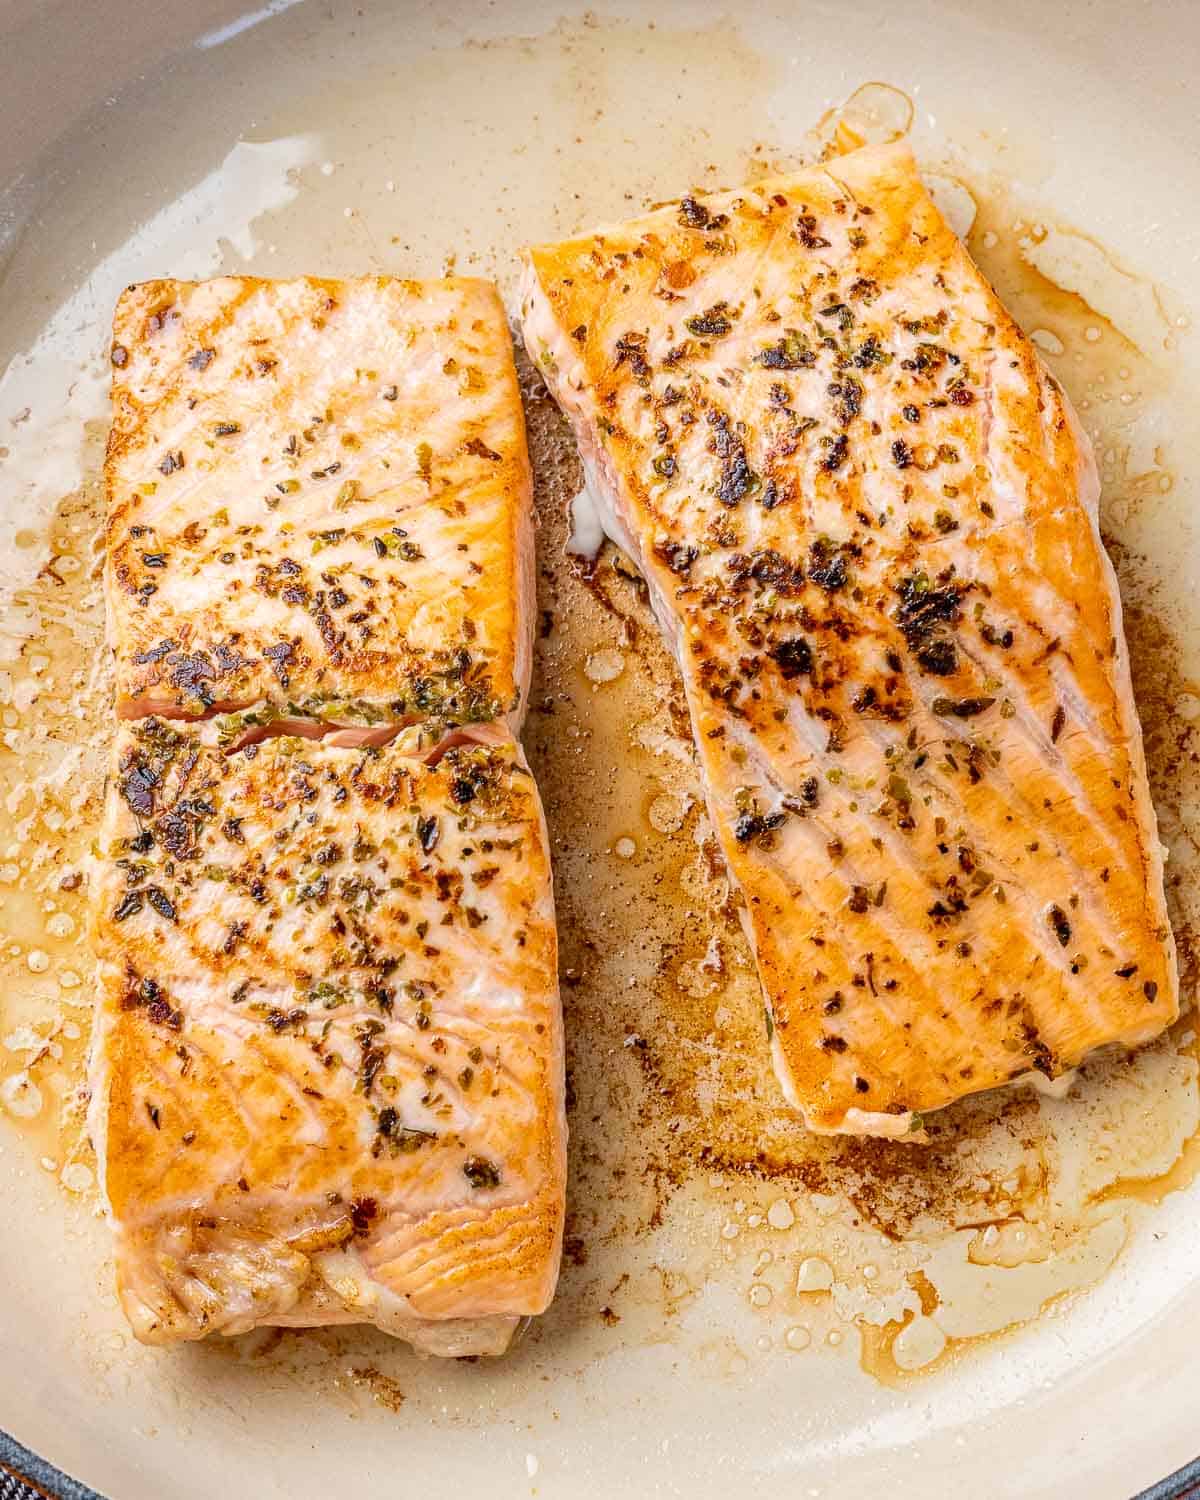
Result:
<point x="163" y="1013"/>
<point x="870" y="354"/>
<point x="175" y="831"/>
<point x="901" y="454"/>
<point x="694" y="215"/>
<point x="768" y="568"/>
<point x="847" y="396"/>
<point x="191" y="674"/>
<point x="922" y="612"/>
<point x="280" y="655"/>
<point x="1057" y="724"/>
<point x="161" y="903"/>
<point x="794" y="657"/>
<point x="362" y="1212"/>
<point x="751" y="825"/>
<point x="714" y="323"/>
<point x="402" y="1138"/>
<point x="827" y="566"/>
<point x="835" y="453"/>
<point x="961" y="708"/>
<point x="137" y="788"/>
<point x="928" y="359"/>
<point x="806" y="232"/>
<point x="791" y="352"/>
<point x="481" y="1172"/>
<point x="1061" y="927"/>
<point x="155" y="653"/>
<point x="281" y="1021"/>
<point x="939" y="658"/>
<point x="865" y="700"/>
<point x="631" y="350"/>
<point x="227" y="660"/>
<point x="738" y="479"/>
<point x="678" y="556"/>
<point x="128" y="906"/>
<point x="994" y="637"/>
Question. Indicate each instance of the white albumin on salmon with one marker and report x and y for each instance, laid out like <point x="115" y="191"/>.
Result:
<point x="319" y="500"/>
<point x="327" y="1066"/>
<point x="868" y="519"/>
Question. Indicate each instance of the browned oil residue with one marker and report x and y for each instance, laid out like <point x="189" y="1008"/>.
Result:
<point x="877" y="1349"/>
<point x="383" y="1388"/>
<point x="1152" y="1190"/>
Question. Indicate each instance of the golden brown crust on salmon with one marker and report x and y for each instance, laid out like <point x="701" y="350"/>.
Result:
<point x="319" y="497"/>
<point x="868" y="520"/>
<point x="328" y="1080"/>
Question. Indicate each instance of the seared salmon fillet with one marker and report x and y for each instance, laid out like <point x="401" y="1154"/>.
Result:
<point x="318" y="500"/>
<point x="868" y="519"/>
<point x="328" y="1069"/>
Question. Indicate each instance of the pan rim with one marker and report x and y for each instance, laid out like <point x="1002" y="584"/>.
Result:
<point x="23" y="1464"/>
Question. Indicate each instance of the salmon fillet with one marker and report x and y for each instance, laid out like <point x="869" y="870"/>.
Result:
<point x="327" y="1079"/>
<point x="868" y="520"/>
<point x="319" y="500"/>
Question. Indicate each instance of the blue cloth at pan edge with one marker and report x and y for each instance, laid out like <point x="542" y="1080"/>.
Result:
<point x="25" y="1476"/>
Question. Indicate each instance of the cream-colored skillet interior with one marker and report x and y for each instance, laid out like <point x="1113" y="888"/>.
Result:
<point x="740" y="1305"/>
